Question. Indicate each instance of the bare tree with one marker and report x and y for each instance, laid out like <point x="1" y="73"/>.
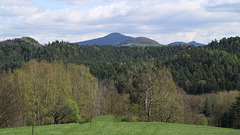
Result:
<point x="9" y="103"/>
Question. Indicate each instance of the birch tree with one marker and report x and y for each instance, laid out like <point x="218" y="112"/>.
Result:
<point x="51" y="92"/>
<point x="145" y="76"/>
<point x="84" y="88"/>
<point x="167" y="102"/>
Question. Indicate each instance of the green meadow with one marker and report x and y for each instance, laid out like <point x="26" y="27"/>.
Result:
<point x="108" y="125"/>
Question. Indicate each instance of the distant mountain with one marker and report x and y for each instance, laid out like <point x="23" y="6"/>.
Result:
<point x="111" y="39"/>
<point x="195" y="43"/>
<point x="184" y="43"/>
<point x="21" y="41"/>
<point x="178" y="43"/>
<point x="139" y="41"/>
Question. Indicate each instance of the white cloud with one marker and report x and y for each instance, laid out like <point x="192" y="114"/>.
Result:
<point x="117" y="9"/>
<point x="220" y="2"/>
<point x="187" y="36"/>
<point x="17" y="11"/>
<point x="223" y="6"/>
<point x="163" y="20"/>
<point x="16" y="2"/>
<point x="78" y="2"/>
<point x="17" y="8"/>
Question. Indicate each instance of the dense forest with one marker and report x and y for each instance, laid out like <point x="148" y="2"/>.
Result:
<point x="62" y="82"/>
<point x="214" y="67"/>
<point x="202" y="70"/>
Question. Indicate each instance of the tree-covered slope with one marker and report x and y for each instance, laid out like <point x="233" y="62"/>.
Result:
<point x="230" y="45"/>
<point x="16" y="51"/>
<point x="106" y="61"/>
<point x="139" y="42"/>
<point x="203" y="70"/>
<point x="102" y="60"/>
<point x="24" y="41"/>
<point x="196" y="69"/>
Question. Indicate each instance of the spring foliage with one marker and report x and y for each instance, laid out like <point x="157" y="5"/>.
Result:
<point x="52" y="94"/>
<point x="167" y="102"/>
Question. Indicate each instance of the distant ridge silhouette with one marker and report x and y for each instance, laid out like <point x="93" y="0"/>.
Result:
<point x="111" y="39"/>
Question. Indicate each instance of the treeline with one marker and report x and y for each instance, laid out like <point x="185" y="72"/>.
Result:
<point x="41" y="93"/>
<point x="214" y="67"/>
<point x="134" y="83"/>
<point x="213" y="109"/>
<point x="14" y="52"/>
<point x="230" y="45"/>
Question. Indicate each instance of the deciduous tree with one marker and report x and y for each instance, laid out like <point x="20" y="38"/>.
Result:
<point x="10" y="103"/>
<point x="167" y="101"/>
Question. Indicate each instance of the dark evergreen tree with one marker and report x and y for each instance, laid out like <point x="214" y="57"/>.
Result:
<point x="231" y="119"/>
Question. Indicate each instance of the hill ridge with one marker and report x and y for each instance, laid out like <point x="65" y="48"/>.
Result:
<point x="140" y="41"/>
<point x="110" y="39"/>
<point x="185" y="43"/>
<point x="21" y="41"/>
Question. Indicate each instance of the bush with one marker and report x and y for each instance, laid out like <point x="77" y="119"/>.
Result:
<point x="76" y="118"/>
<point x="135" y="118"/>
<point x="123" y="119"/>
<point x="201" y="120"/>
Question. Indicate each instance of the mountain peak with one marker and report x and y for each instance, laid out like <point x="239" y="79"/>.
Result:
<point x="114" y="34"/>
<point x="111" y="39"/>
<point x="193" y="42"/>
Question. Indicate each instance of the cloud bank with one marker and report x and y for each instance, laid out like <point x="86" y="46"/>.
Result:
<point x="162" y="20"/>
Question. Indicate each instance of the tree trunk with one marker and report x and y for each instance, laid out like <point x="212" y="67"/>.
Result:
<point x="146" y="104"/>
<point x="33" y="128"/>
<point x="150" y="106"/>
<point x="56" y="120"/>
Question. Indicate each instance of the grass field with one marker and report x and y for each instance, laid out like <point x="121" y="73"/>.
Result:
<point x="107" y="125"/>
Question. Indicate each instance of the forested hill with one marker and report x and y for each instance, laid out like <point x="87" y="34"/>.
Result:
<point x="189" y="43"/>
<point x="24" y="41"/>
<point x="139" y="41"/>
<point x="12" y="56"/>
<point x="202" y="70"/>
<point x="230" y="45"/>
<point x="196" y="69"/>
<point x="208" y="68"/>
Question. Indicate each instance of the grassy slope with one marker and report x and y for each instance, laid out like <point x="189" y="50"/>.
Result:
<point x="108" y="126"/>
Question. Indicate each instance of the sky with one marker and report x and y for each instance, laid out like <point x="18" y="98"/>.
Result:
<point x="165" y="21"/>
